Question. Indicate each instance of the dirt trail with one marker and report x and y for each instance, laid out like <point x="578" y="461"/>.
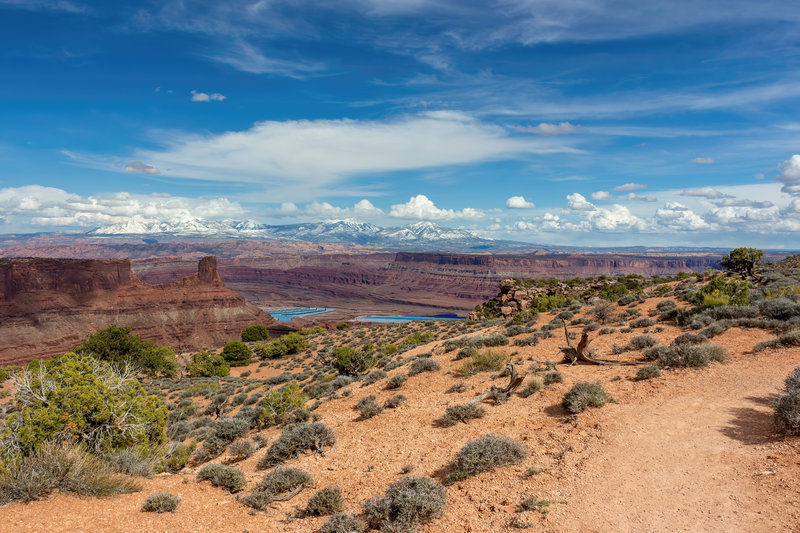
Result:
<point x="698" y="456"/>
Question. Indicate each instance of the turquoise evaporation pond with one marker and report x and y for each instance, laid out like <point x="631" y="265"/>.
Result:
<point x="286" y="314"/>
<point x="410" y="318"/>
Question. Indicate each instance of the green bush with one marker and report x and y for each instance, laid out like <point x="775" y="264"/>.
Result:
<point x="348" y="360"/>
<point x="288" y="344"/>
<point x="161" y="502"/>
<point x="343" y="326"/>
<point x="745" y="261"/>
<point x="297" y="439"/>
<point x="325" y="502"/>
<point x="279" y="403"/>
<point x="177" y="458"/>
<point x="648" y="372"/>
<point x="118" y="346"/>
<point x="343" y="523"/>
<point x="256" y="332"/>
<point x="237" y="353"/>
<point x="583" y="395"/>
<point x="408" y="502"/>
<point x="83" y="400"/>
<point x="205" y="364"/>
<point x="416" y="338"/>
<point x="227" y="477"/>
<point x="718" y="292"/>
<point x="59" y="466"/>
<point x="484" y="454"/>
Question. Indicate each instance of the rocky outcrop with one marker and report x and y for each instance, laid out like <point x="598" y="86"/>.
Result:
<point x="48" y="305"/>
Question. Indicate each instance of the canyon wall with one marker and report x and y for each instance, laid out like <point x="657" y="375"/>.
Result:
<point x="47" y="306"/>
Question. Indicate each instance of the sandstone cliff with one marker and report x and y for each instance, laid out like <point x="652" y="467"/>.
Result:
<point x="48" y="305"/>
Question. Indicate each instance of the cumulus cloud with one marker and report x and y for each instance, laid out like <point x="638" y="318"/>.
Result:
<point x="52" y="207"/>
<point x="419" y="207"/>
<point x="790" y="175"/>
<point x="705" y="192"/>
<point x="601" y="195"/>
<point x="702" y="160"/>
<point x="678" y="217"/>
<point x="633" y="197"/>
<point x="630" y="187"/>
<point x="549" y="129"/>
<point x="137" y="167"/>
<point x="519" y="202"/>
<point x="577" y="202"/>
<point x="362" y="209"/>
<point x="615" y="218"/>
<point x="301" y="157"/>
<point x="205" y="97"/>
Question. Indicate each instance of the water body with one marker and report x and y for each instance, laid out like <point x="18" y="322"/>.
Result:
<point x="286" y="314"/>
<point x="410" y="318"/>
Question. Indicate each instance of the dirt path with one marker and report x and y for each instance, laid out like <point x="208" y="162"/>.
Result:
<point x="698" y="456"/>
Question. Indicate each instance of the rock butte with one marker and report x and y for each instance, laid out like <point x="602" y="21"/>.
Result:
<point x="48" y="305"/>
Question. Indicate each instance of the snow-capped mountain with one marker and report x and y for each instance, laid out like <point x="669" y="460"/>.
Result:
<point x="347" y="231"/>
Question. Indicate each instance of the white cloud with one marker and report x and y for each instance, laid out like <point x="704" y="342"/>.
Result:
<point x="705" y="192"/>
<point x="205" y="97"/>
<point x="419" y="207"/>
<point x="702" y="160"/>
<point x="361" y="210"/>
<point x="549" y="129"/>
<point x="601" y="195"/>
<point x="790" y="175"/>
<point x="615" y="218"/>
<point x="52" y="207"/>
<point x="137" y="167"/>
<point x="630" y="187"/>
<point x="301" y="157"/>
<point x="577" y="202"/>
<point x="633" y="197"/>
<point x="678" y="217"/>
<point x="519" y="202"/>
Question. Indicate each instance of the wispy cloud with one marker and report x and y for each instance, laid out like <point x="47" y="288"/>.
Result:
<point x="630" y="187"/>
<point x="549" y="129"/>
<point x="702" y="160"/>
<point x="205" y="97"/>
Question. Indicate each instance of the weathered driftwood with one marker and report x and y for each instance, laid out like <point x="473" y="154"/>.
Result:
<point x="573" y="355"/>
<point x="502" y="394"/>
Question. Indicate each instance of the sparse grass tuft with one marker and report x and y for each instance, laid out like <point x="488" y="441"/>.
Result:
<point x="485" y="361"/>
<point x="484" y="454"/>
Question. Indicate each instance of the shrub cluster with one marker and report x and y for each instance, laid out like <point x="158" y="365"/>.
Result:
<point x="206" y="364"/>
<point x="787" y="405"/>
<point x="118" y="346"/>
<point x="423" y="364"/>
<point x="256" y="332"/>
<point x="686" y="355"/>
<point x="227" y="477"/>
<point x="349" y="361"/>
<point x="277" y="404"/>
<point x="343" y="523"/>
<point x="279" y="484"/>
<point x="325" y="502"/>
<point x="408" y="502"/>
<point x="297" y="439"/>
<point x="288" y="344"/>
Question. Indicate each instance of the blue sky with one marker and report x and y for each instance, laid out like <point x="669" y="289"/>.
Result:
<point x="553" y="121"/>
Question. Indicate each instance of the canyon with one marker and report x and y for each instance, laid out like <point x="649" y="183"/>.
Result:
<point x="48" y="305"/>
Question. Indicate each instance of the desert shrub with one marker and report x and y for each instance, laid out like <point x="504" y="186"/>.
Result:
<point x="423" y="364"/>
<point x="367" y="407"/>
<point x="254" y="333"/>
<point x="604" y="312"/>
<point x="242" y="449"/>
<point x="553" y="377"/>
<point x="531" y="340"/>
<point x="389" y="349"/>
<point x="731" y="311"/>
<point x="640" y="342"/>
<point x="642" y="322"/>
<point x="325" y="502"/>
<point x="394" y="401"/>
<point x="515" y="330"/>
<point x="59" y="466"/>
<point x="396" y="381"/>
<point x="279" y="483"/>
<point x="343" y="523"/>
<point x="297" y="439"/>
<point x="119" y="347"/>
<point x="348" y="360"/>
<point x="779" y="308"/>
<point x="494" y="340"/>
<point x="465" y="352"/>
<point x="648" y="372"/>
<point x="583" y="395"/>
<point x="787" y="405"/>
<point x="718" y="292"/>
<point x="278" y="403"/>
<point x="666" y="305"/>
<point x="227" y="477"/>
<point x="86" y="401"/>
<point x="416" y="338"/>
<point x="689" y="338"/>
<point x="128" y="461"/>
<point x="207" y="364"/>
<point x="374" y="376"/>
<point x="458" y="387"/>
<point x="176" y="459"/>
<point x="461" y="413"/>
<point x="161" y="502"/>
<point x="484" y="454"/>
<point x="626" y="299"/>
<point x="398" y="363"/>
<point x="408" y="502"/>
<point x="288" y="344"/>
<point x="686" y="355"/>
<point x="485" y="361"/>
<point x="535" y="384"/>
<point x="237" y="353"/>
<point x="783" y="341"/>
<point x="7" y="372"/>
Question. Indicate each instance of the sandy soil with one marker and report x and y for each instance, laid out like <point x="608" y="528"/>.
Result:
<point x="693" y="450"/>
